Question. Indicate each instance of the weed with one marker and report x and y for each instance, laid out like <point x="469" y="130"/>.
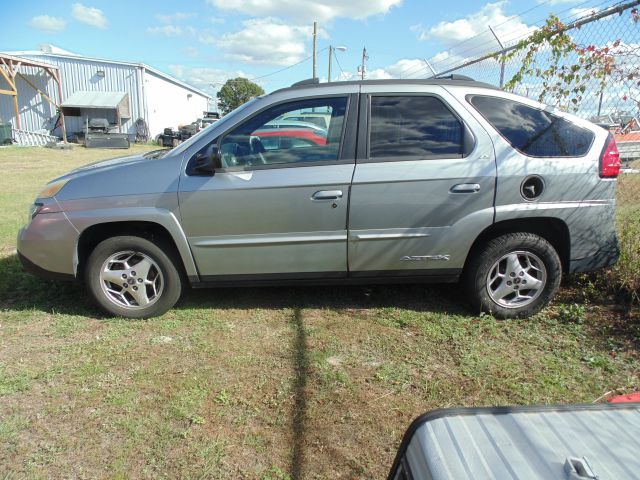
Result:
<point x="11" y="426"/>
<point x="275" y="473"/>
<point x="573" y="313"/>
<point x="19" y="382"/>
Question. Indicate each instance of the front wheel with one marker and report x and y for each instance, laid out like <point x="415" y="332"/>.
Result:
<point x="513" y="276"/>
<point x="131" y="277"/>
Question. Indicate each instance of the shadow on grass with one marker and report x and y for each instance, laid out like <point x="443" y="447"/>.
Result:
<point x="21" y="291"/>
<point x="299" y="413"/>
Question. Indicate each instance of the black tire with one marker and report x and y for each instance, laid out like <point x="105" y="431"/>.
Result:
<point x="477" y="275"/>
<point x="167" y="277"/>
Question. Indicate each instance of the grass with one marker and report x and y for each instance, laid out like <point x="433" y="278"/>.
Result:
<point x="276" y="383"/>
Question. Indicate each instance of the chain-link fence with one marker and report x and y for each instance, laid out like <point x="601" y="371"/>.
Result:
<point x="612" y="101"/>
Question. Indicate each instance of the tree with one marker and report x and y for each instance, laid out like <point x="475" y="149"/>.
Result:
<point x="237" y="91"/>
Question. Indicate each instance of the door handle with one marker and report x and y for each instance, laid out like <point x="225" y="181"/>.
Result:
<point x="327" y="195"/>
<point x="465" y="188"/>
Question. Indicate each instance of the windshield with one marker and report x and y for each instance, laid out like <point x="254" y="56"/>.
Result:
<point x="186" y="144"/>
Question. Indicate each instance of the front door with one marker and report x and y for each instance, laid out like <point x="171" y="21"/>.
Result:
<point x="424" y="183"/>
<point x="278" y="206"/>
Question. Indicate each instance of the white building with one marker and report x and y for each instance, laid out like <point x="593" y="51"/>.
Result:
<point x="144" y="92"/>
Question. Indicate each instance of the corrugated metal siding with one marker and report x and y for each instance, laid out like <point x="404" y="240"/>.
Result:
<point x="80" y="74"/>
<point x="527" y="445"/>
<point x="77" y="74"/>
<point x="35" y="113"/>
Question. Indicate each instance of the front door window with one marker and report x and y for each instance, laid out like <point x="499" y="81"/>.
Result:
<point x="288" y="133"/>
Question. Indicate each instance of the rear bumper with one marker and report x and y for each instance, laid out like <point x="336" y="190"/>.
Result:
<point x="606" y="256"/>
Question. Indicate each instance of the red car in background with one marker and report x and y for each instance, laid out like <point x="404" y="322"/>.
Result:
<point x="283" y="138"/>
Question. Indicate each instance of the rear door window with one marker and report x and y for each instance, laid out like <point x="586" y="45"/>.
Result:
<point x="417" y="126"/>
<point x="532" y="131"/>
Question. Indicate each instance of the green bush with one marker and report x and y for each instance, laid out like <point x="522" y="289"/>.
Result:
<point x="627" y="271"/>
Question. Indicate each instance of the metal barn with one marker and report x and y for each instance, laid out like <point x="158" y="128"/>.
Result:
<point x="122" y="92"/>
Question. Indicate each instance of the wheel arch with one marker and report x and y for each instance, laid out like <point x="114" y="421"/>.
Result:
<point x="91" y="236"/>
<point x="554" y="230"/>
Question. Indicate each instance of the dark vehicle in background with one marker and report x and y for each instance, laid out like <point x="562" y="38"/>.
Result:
<point x="171" y="138"/>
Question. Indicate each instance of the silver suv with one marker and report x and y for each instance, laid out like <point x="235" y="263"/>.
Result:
<point x="421" y="180"/>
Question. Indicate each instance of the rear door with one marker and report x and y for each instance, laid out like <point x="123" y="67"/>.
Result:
<point x="424" y="183"/>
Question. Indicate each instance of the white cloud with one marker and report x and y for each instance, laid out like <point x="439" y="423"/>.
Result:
<point x="305" y="10"/>
<point x="409" y="68"/>
<point x="89" y="15"/>
<point x="557" y="2"/>
<point x="48" y="24"/>
<point x="264" y="41"/>
<point x="167" y="30"/>
<point x="377" y="74"/>
<point x="470" y="37"/>
<point x="174" y="17"/>
<point x="583" y="12"/>
<point x="346" y="76"/>
<point x="477" y="24"/>
<point x="403" y="68"/>
<point x="192" y="52"/>
<point x="209" y="80"/>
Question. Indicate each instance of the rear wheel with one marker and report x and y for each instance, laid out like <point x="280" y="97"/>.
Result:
<point x="513" y="276"/>
<point x="131" y="277"/>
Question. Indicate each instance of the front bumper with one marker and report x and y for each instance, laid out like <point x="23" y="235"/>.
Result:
<point x="34" y="269"/>
<point x="47" y="246"/>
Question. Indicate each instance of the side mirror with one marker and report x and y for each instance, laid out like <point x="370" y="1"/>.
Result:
<point x="208" y="161"/>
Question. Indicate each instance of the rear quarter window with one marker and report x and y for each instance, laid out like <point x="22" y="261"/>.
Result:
<point x="532" y="131"/>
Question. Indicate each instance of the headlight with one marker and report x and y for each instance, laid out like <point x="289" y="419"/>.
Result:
<point x="52" y="189"/>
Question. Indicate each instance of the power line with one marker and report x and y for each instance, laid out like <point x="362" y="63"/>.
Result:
<point x="287" y="67"/>
<point x="466" y="53"/>
<point x="512" y="17"/>
<point x="575" y="24"/>
<point x="414" y="70"/>
<point x="339" y="66"/>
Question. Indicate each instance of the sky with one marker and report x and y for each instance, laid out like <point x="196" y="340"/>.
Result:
<point x="205" y="42"/>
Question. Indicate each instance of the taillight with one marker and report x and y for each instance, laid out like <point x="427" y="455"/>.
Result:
<point x="610" y="159"/>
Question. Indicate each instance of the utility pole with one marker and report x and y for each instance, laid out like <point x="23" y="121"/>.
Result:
<point x="363" y="66"/>
<point x="315" y="46"/>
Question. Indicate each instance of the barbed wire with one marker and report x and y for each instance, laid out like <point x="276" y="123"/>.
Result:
<point x="415" y="70"/>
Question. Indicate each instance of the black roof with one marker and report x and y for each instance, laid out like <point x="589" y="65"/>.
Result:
<point x="458" y="80"/>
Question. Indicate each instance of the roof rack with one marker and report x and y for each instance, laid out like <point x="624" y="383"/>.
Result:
<point x="453" y="79"/>
<point x="308" y="81"/>
<point x="455" y="76"/>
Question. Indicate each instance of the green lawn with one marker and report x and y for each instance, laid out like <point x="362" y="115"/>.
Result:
<point x="271" y="383"/>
